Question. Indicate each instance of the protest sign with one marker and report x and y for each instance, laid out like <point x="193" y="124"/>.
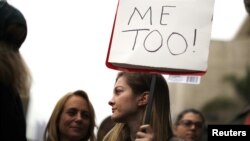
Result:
<point x="167" y="36"/>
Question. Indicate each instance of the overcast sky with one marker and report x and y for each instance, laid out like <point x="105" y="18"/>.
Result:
<point x="67" y="44"/>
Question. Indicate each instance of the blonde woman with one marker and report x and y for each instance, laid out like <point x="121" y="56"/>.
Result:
<point x="73" y="119"/>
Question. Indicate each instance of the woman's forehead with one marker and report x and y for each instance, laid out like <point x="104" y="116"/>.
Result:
<point x="191" y="116"/>
<point x="121" y="81"/>
<point x="76" y="102"/>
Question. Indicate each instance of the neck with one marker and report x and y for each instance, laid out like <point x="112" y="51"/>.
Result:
<point x="134" y="124"/>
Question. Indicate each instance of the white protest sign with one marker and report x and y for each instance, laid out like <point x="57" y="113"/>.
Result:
<point x="165" y="35"/>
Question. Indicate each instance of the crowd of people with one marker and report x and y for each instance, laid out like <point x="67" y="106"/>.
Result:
<point x="73" y="118"/>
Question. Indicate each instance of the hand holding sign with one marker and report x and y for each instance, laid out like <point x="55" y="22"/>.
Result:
<point x="161" y="35"/>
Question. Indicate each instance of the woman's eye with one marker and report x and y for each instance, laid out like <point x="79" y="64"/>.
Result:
<point x="71" y="113"/>
<point x="85" y="115"/>
<point x="117" y="91"/>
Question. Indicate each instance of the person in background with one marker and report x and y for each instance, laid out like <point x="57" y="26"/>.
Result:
<point x="190" y="125"/>
<point x="106" y="125"/>
<point x="129" y="102"/>
<point x="73" y="119"/>
<point x="15" y="78"/>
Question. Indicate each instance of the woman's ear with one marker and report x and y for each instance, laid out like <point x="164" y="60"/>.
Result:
<point x="143" y="99"/>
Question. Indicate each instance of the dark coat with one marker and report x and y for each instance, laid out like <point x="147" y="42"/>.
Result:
<point x="12" y="119"/>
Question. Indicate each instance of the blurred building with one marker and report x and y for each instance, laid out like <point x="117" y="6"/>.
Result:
<point x="225" y="57"/>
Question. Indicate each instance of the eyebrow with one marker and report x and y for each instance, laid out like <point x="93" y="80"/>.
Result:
<point x="191" y="120"/>
<point x="74" y="108"/>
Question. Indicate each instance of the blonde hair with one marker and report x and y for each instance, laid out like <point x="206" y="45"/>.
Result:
<point x="52" y="129"/>
<point x="14" y="72"/>
<point x="160" y="118"/>
<point x="106" y="125"/>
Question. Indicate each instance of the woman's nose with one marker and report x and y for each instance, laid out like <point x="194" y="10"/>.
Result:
<point x="111" y="102"/>
<point x="79" y="116"/>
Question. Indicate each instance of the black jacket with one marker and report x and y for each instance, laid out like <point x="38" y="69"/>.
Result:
<point x="12" y="119"/>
